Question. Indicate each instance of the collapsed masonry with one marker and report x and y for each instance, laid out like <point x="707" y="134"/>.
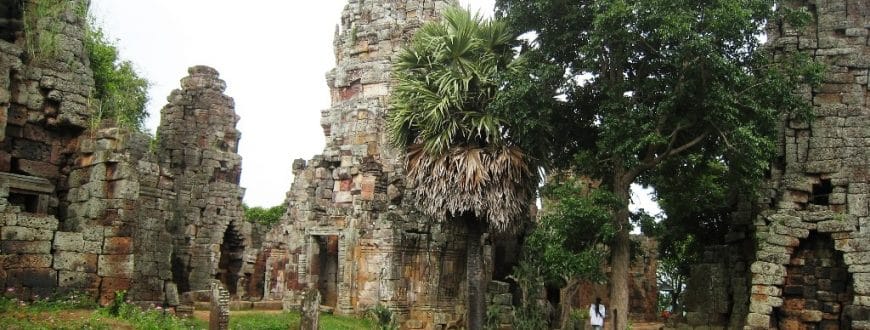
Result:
<point x="350" y="231"/>
<point x="103" y="209"/>
<point x="803" y="261"/>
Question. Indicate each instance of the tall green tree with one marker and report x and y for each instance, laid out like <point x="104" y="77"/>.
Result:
<point x="650" y="82"/>
<point x="462" y="159"/>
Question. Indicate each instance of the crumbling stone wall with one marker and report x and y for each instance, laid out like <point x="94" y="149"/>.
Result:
<point x="43" y="108"/>
<point x="102" y="209"/>
<point x="350" y="230"/>
<point x="803" y="261"/>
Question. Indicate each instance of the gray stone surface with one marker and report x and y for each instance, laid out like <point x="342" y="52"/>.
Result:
<point x="810" y="235"/>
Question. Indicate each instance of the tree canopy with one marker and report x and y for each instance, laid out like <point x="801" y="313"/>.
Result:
<point x="654" y="85"/>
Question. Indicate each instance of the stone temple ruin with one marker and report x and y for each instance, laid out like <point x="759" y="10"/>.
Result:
<point x="801" y="260"/>
<point x="350" y="231"/>
<point x="102" y="209"/>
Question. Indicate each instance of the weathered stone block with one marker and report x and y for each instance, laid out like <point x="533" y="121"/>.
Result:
<point x="856" y="258"/>
<point x="15" y="233"/>
<point x="118" y="245"/>
<point x="37" y="221"/>
<point x="32" y="247"/>
<point x="116" y="265"/>
<point x="760" y="307"/>
<point x="758" y="320"/>
<point x="80" y="280"/>
<point x="26" y="261"/>
<point x="45" y="278"/>
<point x="830" y="226"/>
<point x="74" y="261"/>
<point x="861" y="283"/>
<point x="69" y="241"/>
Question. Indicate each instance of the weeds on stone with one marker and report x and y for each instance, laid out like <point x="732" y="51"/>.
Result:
<point x="383" y="316"/>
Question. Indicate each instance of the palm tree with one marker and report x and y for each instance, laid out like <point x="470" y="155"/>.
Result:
<point x="461" y="158"/>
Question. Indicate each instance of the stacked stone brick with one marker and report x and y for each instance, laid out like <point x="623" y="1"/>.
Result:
<point x="350" y="230"/>
<point x="43" y="107"/>
<point x="197" y="135"/>
<point x="102" y="209"/>
<point x="804" y="262"/>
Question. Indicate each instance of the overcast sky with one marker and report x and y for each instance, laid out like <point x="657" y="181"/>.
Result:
<point x="272" y="54"/>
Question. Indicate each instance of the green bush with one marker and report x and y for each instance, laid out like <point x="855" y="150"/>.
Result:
<point x="121" y="91"/>
<point x="265" y="216"/>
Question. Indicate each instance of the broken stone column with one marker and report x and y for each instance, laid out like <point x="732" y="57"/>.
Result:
<point x="219" y="316"/>
<point x="310" y="310"/>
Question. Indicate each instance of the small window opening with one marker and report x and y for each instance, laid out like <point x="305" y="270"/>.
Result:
<point x="27" y="202"/>
<point x="822" y="192"/>
<point x="15" y="166"/>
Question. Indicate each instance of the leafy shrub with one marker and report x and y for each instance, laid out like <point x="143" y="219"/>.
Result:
<point x="265" y="216"/>
<point x="121" y="92"/>
<point x="383" y="316"/>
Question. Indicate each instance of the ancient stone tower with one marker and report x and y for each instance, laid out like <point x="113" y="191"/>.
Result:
<point x="101" y="209"/>
<point x="349" y="230"/>
<point x="804" y="261"/>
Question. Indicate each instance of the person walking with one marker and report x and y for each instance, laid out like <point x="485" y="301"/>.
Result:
<point x="597" y="314"/>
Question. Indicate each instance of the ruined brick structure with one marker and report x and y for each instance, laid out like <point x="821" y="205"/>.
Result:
<point x="102" y="209"/>
<point x="350" y="230"/>
<point x="803" y="262"/>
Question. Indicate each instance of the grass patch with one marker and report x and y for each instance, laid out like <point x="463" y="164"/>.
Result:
<point x="257" y="320"/>
<point x="79" y="311"/>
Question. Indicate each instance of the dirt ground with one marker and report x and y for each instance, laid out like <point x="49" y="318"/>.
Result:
<point x="648" y="326"/>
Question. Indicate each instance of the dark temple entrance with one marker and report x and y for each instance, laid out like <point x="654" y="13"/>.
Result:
<point x="232" y="259"/>
<point x="818" y="287"/>
<point x="324" y="268"/>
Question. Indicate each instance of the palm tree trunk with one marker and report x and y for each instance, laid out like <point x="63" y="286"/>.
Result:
<point x="474" y="272"/>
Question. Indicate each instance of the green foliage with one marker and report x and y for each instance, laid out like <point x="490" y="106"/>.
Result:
<point x="446" y="77"/>
<point x="383" y="317"/>
<point x="154" y="318"/>
<point x="461" y="156"/>
<point x="122" y="92"/>
<point x="41" y="312"/>
<point x="64" y="301"/>
<point x="531" y="313"/>
<point x="492" y="317"/>
<point x="265" y="216"/>
<point x="654" y="85"/>
<point x="43" y="24"/>
<point x="571" y="237"/>
<point x="118" y="303"/>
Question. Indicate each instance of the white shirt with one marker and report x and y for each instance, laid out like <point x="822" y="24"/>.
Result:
<point x="594" y="318"/>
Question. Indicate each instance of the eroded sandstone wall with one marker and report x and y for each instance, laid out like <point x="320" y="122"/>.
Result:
<point x="101" y="209"/>
<point x="804" y="261"/>
<point x="350" y="230"/>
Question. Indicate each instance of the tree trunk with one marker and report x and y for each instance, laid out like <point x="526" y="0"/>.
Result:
<point x="620" y="255"/>
<point x="567" y="297"/>
<point x="474" y="273"/>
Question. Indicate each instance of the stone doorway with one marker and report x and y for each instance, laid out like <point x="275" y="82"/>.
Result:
<point x="818" y="287"/>
<point x="232" y="259"/>
<point x="324" y="268"/>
